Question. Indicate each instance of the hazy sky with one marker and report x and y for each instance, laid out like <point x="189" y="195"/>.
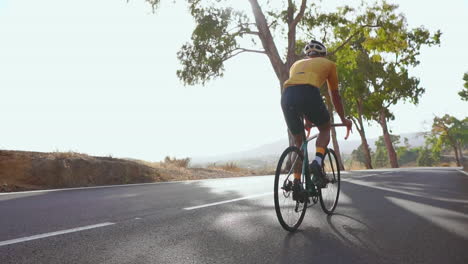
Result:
<point x="98" y="77"/>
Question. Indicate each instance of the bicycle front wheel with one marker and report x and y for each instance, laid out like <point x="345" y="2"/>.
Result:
<point x="331" y="192"/>
<point x="290" y="212"/>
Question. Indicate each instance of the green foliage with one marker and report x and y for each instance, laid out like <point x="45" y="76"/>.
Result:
<point x="380" y="157"/>
<point x="434" y="145"/>
<point x="425" y="158"/>
<point x="464" y="92"/>
<point x="406" y="154"/>
<point x="450" y="131"/>
<point x="212" y="43"/>
<point x="447" y="133"/>
<point x="154" y="3"/>
<point x="374" y="66"/>
<point x="220" y="31"/>
<point x="359" y="155"/>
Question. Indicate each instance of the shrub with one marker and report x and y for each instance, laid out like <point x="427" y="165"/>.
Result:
<point x="181" y="163"/>
<point x="425" y="158"/>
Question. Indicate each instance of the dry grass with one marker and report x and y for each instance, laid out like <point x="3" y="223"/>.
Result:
<point x="354" y="165"/>
<point x="68" y="155"/>
<point x="447" y="164"/>
<point x="233" y="167"/>
<point x="174" y="162"/>
<point x="21" y="170"/>
<point x="230" y="166"/>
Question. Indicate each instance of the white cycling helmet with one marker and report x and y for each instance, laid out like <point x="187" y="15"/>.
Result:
<point x="315" y="48"/>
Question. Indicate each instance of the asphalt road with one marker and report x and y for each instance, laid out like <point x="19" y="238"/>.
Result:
<point x="387" y="216"/>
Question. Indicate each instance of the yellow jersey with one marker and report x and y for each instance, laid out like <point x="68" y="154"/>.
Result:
<point x="314" y="71"/>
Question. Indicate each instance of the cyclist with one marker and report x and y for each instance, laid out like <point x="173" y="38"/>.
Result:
<point x="301" y="97"/>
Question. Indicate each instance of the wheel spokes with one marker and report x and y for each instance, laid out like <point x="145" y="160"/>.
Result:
<point x="289" y="211"/>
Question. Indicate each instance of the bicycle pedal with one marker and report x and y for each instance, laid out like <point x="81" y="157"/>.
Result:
<point x="288" y="186"/>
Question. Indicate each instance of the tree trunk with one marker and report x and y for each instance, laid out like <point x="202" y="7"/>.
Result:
<point x="454" y="144"/>
<point x="388" y="142"/>
<point x="460" y="149"/>
<point x="455" y="149"/>
<point x="366" y="150"/>
<point x="268" y="43"/>
<point x="362" y="133"/>
<point x="336" y="146"/>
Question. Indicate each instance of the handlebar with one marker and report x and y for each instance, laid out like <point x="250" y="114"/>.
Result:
<point x="333" y="125"/>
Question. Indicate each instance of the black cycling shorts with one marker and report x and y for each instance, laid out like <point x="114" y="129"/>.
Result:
<point x="303" y="100"/>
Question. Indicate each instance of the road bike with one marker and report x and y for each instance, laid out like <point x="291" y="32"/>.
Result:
<point x="291" y="212"/>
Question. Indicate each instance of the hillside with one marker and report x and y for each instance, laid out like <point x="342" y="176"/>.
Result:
<point x="20" y="170"/>
<point x="267" y="155"/>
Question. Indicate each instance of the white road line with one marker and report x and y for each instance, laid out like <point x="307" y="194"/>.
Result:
<point x="127" y="185"/>
<point x="24" y="239"/>
<point x="464" y="172"/>
<point x="227" y="201"/>
<point x="366" y="175"/>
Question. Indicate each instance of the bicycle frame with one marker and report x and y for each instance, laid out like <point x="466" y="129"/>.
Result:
<point x="310" y="187"/>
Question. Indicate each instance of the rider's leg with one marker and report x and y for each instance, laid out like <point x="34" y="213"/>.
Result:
<point x="298" y="139"/>
<point x="322" y="141"/>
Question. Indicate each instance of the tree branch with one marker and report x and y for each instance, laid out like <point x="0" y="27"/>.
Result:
<point x="272" y="23"/>
<point x="352" y="36"/>
<point x="343" y="44"/>
<point x="324" y="35"/>
<point x="242" y="50"/>
<point x="251" y="50"/>
<point x="267" y="41"/>
<point x="300" y="14"/>
<point x="292" y="23"/>
<point x="356" y="124"/>
<point x="243" y="29"/>
<point x="290" y="12"/>
<point x="256" y="33"/>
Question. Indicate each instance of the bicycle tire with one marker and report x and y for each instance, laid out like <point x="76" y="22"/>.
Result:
<point x="281" y="191"/>
<point x="330" y="194"/>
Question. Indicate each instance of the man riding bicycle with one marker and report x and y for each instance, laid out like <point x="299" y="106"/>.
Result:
<point x="301" y="98"/>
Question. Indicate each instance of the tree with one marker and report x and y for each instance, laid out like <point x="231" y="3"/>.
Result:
<point x="375" y="69"/>
<point x="390" y="81"/>
<point x="395" y="86"/>
<point x="433" y="145"/>
<point x="359" y="154"/>
<point x="425" y="158"/>
<point x="355" y="86"/>
<point x="449" y="131"/>
<point x="464" y="92"/>
<point x="380" y="157"/>
<point x="336" y="146"/>
<point x="221" y="33"/>
<point x="406" y="154"/>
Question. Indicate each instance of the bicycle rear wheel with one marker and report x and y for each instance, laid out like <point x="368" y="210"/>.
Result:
<point x="331" y="192"/>
<point x="290" y="212"/>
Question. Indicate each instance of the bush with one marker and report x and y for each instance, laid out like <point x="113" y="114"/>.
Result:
<point x="425" y="158"/>
<point x="407" y="155"/>
<point x="181" y="163"/>
<point x="229" y="166"/>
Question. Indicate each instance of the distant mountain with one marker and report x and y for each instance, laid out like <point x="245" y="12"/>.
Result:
<point x="264" y="155"/>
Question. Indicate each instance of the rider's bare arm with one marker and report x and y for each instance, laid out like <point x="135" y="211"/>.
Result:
<point x="336" y="97"/>
<point x="332" y="81"/>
